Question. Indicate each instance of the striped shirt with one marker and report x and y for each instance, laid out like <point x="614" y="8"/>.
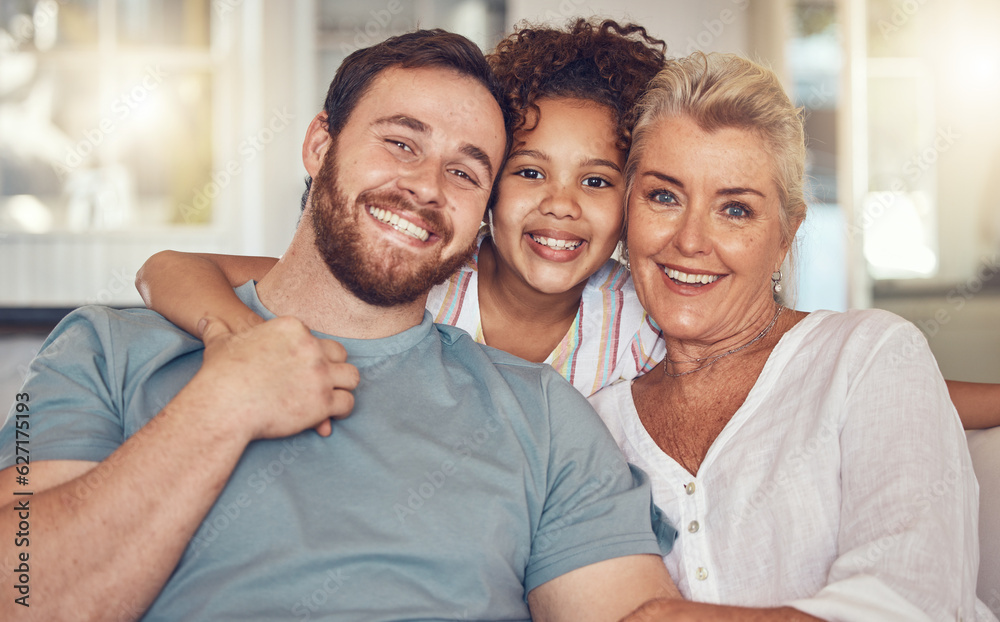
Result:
<point x="612" y="338"/>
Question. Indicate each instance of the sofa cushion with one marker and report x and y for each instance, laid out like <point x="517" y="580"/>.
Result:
<point x="984" y="445"/>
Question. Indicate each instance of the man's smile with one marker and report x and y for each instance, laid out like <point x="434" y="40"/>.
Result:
<point x="398" y="223"/>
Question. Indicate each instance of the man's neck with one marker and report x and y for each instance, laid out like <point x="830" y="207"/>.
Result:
<point x="301" y="285"/>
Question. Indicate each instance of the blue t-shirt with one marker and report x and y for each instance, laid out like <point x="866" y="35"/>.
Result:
<point x="464" y="478"/>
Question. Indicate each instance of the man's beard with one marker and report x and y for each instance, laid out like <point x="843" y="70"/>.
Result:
<point x="383" y="276"/>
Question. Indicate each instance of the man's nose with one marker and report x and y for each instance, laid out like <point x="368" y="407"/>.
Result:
<point x="424" y="182"/>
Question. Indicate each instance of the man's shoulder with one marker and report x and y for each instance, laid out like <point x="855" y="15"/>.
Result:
<point x="107" y="330"/>
<point x="94" y="366"/>
<point x="127" y="321"/>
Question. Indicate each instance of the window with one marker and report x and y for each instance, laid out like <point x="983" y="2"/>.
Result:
<point x="108" y="122"/>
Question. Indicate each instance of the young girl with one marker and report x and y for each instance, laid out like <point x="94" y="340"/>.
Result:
<point x="542" y="285"/>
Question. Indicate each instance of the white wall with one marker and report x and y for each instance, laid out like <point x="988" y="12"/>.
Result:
<point x="686" y="25"/>
<point x="290" y="90"/>
<point x="965" y="61"/>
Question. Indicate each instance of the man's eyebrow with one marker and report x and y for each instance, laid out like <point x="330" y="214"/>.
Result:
<point x="480" y="156"/>
<point x="417" y="125"/>
<point x="401" y="119"/>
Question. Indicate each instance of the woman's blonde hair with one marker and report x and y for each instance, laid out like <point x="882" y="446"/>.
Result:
<point x="725" y="90"/>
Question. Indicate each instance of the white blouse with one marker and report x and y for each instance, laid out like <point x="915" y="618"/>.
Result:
<point x="841" y="487"/>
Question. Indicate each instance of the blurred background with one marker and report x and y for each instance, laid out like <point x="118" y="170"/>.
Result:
<point x="131" y="126"/>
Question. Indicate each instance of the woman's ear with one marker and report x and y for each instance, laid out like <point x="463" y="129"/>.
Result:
<point x="316" y="144"/>
<point x="786" y="245"/>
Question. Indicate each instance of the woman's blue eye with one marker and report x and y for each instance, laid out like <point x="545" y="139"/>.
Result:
<point x="596" y="182"/>
<point x="735" y="210"/>
<point x="663" y="196"/>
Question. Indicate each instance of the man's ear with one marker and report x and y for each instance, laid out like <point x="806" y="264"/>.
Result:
<point x="316" y="144"/>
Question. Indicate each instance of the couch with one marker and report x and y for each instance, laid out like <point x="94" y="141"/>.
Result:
<point x="984" y="445"/>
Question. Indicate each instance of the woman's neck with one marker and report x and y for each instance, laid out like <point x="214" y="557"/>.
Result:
<point x="690" y="361"/>
<point x="518" y="318"/>
<point x="736" y="333"/>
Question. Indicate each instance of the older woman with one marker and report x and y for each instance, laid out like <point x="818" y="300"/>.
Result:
<point x="811" y="461"/>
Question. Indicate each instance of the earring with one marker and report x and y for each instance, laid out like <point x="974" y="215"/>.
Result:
<point x="776" y="281"/>
<point x="628" y="264"/>
<point x="489" y="215"/>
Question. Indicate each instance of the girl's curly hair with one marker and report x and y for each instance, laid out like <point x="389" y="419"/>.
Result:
<point x="606" y="62"/>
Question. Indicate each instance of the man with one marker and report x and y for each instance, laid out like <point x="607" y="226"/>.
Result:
<point x="465" y="484"/>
